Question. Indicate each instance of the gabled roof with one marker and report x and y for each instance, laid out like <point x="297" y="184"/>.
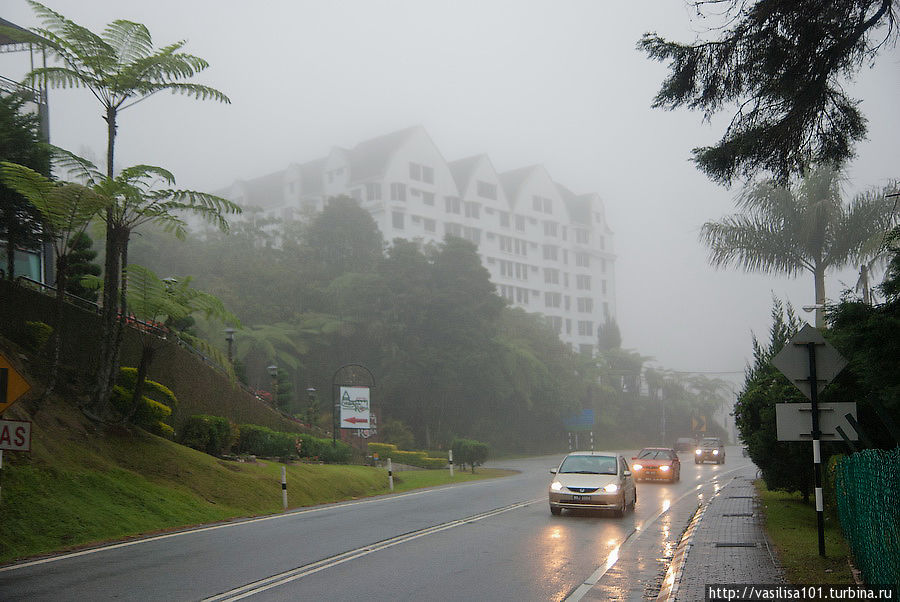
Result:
<point x="311" y="177"/>
<point x="369" y="159"/>
<point x="512" y="181"/>
<point x="578" y="206"/>
<point x="463" y="169"/>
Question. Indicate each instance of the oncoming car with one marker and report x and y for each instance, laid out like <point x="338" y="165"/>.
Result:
<point x="710" y="449"/>
<point x="592" y="481"/>
<point x="656" y="463"/>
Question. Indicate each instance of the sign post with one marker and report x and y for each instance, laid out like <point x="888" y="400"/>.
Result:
<point x="811" y="363"/>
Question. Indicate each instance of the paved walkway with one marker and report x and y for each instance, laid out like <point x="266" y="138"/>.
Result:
<point x="725" y="543"/>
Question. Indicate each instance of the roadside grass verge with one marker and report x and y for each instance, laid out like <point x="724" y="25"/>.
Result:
<point x="791" y="526"/>
<point x="82" y="485"/>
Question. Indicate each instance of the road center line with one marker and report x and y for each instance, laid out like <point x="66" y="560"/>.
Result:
<point x="298" y="573"/>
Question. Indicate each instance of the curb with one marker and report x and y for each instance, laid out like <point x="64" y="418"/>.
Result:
<point x="676" y="568"/>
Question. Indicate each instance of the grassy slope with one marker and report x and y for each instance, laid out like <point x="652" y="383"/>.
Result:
<point x="791" y="526"/>
<point x="81" y="484"/>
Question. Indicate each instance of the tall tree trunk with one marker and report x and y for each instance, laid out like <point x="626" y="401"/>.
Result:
<point x="819" y="277"/>
<point x="62" y="278"/>
<point x="110" y="311"/>
<point x="122" y="237"/>
<point x="147" y="353"/>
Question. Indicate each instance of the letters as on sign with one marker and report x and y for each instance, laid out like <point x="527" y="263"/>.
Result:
<point x="15" y="435"/>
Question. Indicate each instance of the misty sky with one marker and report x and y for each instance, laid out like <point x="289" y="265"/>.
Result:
<point x="556" y="83"/>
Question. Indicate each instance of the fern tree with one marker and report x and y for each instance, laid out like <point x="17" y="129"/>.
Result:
<point x="139" y="195"/>
<point x="158" y="304"/>
<point x="66" y="209"/>
<point x="121" y="68"/>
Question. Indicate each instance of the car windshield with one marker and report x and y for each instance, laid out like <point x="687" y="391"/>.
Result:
<point x="589" y="465"/>
<point x="654" y="454"/>
<point x="710" y="443"/>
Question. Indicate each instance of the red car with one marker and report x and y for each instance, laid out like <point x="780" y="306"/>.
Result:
<point x="656" y="463"/>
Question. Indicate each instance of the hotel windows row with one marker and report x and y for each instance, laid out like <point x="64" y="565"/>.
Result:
<point x="421" y="173"/>
<point x="513" y="269"/>
<point x="515" y="294"/>
<point x="515" y="246"/>
<point x="542" y="204"/>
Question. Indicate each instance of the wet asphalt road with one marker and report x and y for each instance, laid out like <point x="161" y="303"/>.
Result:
<point x="492" y="539"/>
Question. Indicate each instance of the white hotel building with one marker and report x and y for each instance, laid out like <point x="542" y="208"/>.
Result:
<point x="548" y="250"/>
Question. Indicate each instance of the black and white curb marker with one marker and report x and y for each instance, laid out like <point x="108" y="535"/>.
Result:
<point x="451" y="462"/>
<point x="390" y="475"/>
<point x="284" y="487"/>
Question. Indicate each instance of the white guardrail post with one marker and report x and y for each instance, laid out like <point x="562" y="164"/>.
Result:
<point x="451" y="463"/>
<point x="284" y="487"/>
<point x="390" y="475"/>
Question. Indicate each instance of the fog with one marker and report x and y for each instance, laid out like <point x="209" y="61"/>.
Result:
<point x="560" y="84"/>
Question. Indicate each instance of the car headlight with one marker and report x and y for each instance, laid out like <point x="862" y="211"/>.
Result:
<point x="664" y="468"/>
<point x="698" y="452"/>
<point x="636" y="466"/>
<point x="715" y="452"/>
<point x="555" y="485"/>
<point x="611" y="488"/>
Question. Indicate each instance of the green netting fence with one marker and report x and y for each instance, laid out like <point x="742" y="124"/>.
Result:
<point x="867" y="489"/>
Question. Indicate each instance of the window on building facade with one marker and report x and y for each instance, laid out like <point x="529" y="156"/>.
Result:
<point x="582" y="260"/>
<point x="522" y="295"/>
<point x="536" y="203"/>
<point x="472" y="210"/>
<point x="603" y="286"/>
<point x="398" y="191"/>
<point x="473" y="234"/>
<point x="521" y="271"/>
<point x="453" y="229"/>
<point x="583" y="282"/>
<point x="551" y="229"/>
<point x="585" y="328"/>
<point x="428" y="198"/>
<point x="373" y="191"/>
<point x="397" y="220"/>
<point x="487" y="190"/>
<point x="551" y="275"/>
<point x="452" y="204"/>
<point x="566" y="279"/>
<point x="582" y="236"/>
<point x="551" y="252"/>
<point x="568" y="326"/>
<point x="585" y="305"/>
<point x="520" y="223"/>
<point x="507" y="292"/>
<point x="504" y="219"/>
<point x="428" y="224"/>
<point x="520" y="247"/>
<point x="556" y="323"/>
<point x="505" y="244"/>
<point x="567" y="302"/>
<point x="552" y="299"/>
<point x="415" y="172"/>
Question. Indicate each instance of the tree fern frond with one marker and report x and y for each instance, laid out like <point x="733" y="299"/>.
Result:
<point x="131" y="41"/>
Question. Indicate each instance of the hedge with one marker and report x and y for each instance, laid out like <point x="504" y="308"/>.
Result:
<point x="262" y="441"/>
<point x="213" y="435"/>
<point x="410" y="458"/>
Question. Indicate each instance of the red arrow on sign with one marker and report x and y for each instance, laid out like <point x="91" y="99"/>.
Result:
<point x="355" y="420"/>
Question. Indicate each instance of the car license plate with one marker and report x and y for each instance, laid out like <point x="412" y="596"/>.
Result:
<point x="580" y="498"/>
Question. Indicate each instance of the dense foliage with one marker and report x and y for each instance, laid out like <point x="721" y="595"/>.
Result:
<point x="449" y="359"/>
<point x="781" y="67"/>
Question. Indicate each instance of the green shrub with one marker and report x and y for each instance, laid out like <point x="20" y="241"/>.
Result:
<point x="154" y="407"/>
<point x="37" y="334"/>
<point x="262" y="441"/>
<point x="210" y="434"/>
<point x="469" y="451"/>
<point x="397" y="433"/>
<point x="411" y="458"/>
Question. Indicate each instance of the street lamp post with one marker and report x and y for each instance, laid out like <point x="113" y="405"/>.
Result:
<point x="273" y="372"/>
<point x="229" y="336"/>
<point x="313" y="407"/>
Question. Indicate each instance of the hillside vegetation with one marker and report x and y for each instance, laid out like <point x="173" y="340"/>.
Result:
<point x="82" y="483"/>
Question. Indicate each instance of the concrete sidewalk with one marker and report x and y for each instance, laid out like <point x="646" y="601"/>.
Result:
<point x="725" y="543"/>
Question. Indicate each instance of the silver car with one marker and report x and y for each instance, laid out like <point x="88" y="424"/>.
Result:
<point x="592" y="481"/>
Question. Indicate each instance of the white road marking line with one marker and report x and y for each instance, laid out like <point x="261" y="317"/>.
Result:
<point x="238" y="523"/>
<point x="610" y="561"/>
<point x="298" y="573"/>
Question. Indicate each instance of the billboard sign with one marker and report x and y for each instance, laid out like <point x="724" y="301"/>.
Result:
<point x="355" y="403"/>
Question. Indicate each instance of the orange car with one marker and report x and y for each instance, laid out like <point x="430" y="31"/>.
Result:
<point x="656" y="463"/>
